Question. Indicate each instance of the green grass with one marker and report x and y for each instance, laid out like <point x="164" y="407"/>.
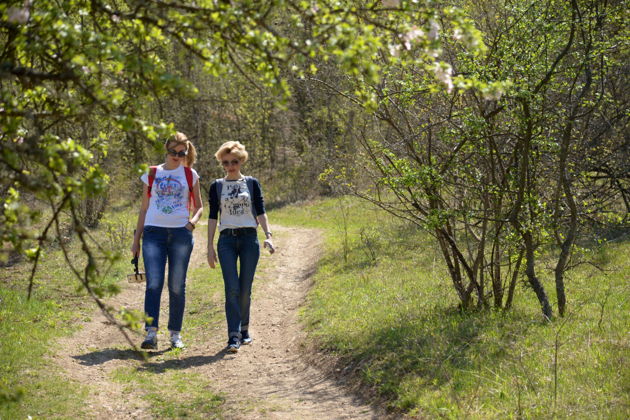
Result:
<point x="383" y="303"/>
<point x="27" y="385"/>
<point x="171" y="393"/>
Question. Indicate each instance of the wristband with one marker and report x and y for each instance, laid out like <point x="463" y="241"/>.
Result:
<point x="268" y="235"/>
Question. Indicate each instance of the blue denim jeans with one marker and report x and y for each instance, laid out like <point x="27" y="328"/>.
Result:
<point x="238" y="286"/>
<point x="160" y="245"/>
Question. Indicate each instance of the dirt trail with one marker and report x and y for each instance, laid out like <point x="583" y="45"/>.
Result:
<point x="266" y="380"/>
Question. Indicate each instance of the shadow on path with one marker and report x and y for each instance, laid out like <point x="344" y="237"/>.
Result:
<point x="185" y="363"/>
<point x="103" y="356"/>
<point x="99" y="357"/>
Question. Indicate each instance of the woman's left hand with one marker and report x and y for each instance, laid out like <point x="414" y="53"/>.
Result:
<point x="269" y="245"/>
<point x="212" y="257"/>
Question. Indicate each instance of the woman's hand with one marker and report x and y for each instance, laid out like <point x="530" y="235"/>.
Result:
<point x="269" y="245"/>
<point x="135" y="248"/>
<point x="212" y="257"/>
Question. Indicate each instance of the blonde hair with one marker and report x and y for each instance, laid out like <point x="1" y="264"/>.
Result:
<point x="180" y="138"/>
<point x="234" y="147"/>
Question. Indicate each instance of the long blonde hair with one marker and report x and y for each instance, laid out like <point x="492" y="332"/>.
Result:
<point x="180" y="138"/>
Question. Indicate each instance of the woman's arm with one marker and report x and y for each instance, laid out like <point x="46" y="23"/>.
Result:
<point x="198" y="208"/>
<point x="264" y="223"/>
<point x="213" y="201"/>
<point x="135" y="247"/>
<point x="259" y="205"/>
<point x="212" y="255"/>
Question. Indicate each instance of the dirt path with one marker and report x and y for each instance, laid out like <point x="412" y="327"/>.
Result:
<point x="266" y="380"/>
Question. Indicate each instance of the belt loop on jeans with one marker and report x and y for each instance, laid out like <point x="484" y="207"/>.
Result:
<point x="238" y="231"/>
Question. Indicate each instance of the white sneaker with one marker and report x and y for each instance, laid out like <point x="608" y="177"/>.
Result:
<point x="176" y="340"/>
<point x="245" y="337"/>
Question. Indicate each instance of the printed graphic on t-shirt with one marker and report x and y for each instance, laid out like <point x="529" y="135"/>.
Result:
<point x="170" y="192"/>
<point x="236" y="199"/>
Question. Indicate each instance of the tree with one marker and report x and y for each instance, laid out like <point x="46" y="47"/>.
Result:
<point x="491" y="165"/>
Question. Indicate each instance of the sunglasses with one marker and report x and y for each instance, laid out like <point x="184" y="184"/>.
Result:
<point x="174" y="153"/>
<point x="230" y="162"/>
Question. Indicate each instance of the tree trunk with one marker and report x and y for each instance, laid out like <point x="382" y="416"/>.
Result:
<point x="565" y="181"/>
<point x="453" y="268"/>
<point x="512" y="287"/>
<point x="534" y="281"/>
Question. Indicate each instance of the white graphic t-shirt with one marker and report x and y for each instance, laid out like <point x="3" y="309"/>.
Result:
<point x="168" y="204"/>
<point x="236" y="205"/>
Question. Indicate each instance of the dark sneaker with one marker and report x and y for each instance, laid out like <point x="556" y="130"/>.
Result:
<point x="245" y="338"/>
<point x="150" y="343"/>
<point x="233" y="344"/>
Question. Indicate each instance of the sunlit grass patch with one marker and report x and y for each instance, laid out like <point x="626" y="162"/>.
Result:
<point x="27" y="385"/>
<point x="171" y="393"/>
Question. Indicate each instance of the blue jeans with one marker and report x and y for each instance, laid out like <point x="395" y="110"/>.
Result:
<point x="238" y="286"/>
<point x="160" y="244"/>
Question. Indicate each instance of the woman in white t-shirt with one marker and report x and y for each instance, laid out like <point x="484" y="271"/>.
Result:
<point x="171" y="194"/>
<point x="239" y="199"/>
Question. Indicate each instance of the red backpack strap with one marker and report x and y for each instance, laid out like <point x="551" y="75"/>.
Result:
<point x="189" y="179"/>
<point x="152" y="172"/>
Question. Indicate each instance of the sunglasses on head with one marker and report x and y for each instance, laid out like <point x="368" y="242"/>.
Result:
<point x="174" y="153"/>
<point x="230" y="162"/>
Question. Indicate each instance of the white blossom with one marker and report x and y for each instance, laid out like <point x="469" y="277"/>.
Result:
<point x="390" y="3"/>
<point x="493" y="95"/>
<point x="434" y="31"/>
<point x="443" y="72"/>
<point x="394" y="49"/>
<point x="18" y="15"/>
<point x="414" y="33"/>
<point x="457" y="34"/>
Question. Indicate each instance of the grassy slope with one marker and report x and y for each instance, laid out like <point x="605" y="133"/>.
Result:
<point x="27" y="386"/>
<point x="383" y="303"/>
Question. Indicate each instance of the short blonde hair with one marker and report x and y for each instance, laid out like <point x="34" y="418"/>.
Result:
<point x="181" y="138"/>
<point x="234" y="147"/>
